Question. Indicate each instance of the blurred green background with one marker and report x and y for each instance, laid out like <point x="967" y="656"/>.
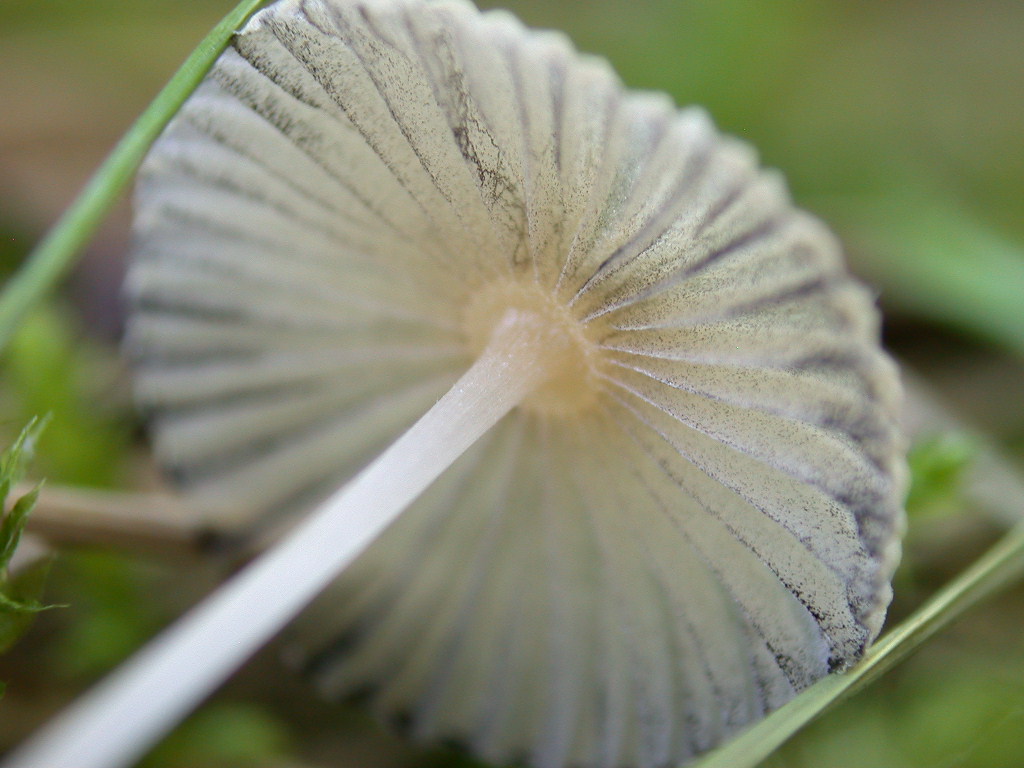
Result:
<point x="901" y="122"/>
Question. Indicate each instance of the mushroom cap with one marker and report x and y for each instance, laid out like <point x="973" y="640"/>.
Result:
<point x="625" y="573"/>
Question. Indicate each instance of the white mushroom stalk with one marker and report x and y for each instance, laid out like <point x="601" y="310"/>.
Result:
<point x="678" y="498"/>
<point x="148" y="696"/>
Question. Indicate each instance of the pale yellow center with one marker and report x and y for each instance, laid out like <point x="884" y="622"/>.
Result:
<point x="564" y="347"/>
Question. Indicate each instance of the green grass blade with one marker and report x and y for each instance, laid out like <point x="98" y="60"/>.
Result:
<point x="998" y="568"/>
<point x="55" y="254"/>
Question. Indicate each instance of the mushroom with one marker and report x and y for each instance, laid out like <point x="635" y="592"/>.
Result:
<point x="663" y="433"/>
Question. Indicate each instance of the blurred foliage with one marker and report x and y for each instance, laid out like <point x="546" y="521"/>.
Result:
<point x="898" y="120"/>
<point x="49" y="368"/>
<point x="938" y="465"/>
<point x="966" y="274"/>
<point x="112" y="613"/>
<point x="224" y="735"/>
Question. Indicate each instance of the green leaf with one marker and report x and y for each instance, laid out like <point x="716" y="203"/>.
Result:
<point x="52" y="258"/>
<point x="15" y="458"/>
<point x="12" y="470"/>
<point x="14" y="523"/>
<point x="17" y="604"/>
<point x="10" y="605"/>
<point x="26" y="589"/>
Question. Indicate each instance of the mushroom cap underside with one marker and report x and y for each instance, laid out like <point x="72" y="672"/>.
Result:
<point x="625" y="583"/>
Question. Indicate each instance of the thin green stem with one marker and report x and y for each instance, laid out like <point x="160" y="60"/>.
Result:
<point x="1002" y="565"/>
<point x="55" y="254"/>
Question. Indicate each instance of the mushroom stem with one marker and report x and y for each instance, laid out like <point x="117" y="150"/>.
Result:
<point x="114" y="723"/>
<point x="150" y="523"/>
